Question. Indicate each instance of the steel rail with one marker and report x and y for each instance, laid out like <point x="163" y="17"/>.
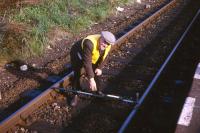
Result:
<point x="10" y="123"/>
<point x="149" y="88"/>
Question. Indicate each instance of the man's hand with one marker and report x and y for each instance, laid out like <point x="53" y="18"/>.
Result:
<point x="93" y="85"/>
<point x="98" y="72"/>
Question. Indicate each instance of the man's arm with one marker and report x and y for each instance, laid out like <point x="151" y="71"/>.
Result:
<point x="87" y="58"/>
<point x="87" y="62"/>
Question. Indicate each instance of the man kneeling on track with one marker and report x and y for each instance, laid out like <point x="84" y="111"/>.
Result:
<point x="90" y="54"/>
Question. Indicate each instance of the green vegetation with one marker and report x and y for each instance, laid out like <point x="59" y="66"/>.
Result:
<point x="72" y="16"/>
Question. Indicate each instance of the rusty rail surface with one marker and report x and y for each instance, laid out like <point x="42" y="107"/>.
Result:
<point x="17" y="118"/>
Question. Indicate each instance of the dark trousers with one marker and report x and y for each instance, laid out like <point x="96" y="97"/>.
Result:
<point x="77" y="64"/>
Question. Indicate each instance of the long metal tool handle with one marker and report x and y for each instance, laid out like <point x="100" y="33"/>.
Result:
<point x="98" y="95"/>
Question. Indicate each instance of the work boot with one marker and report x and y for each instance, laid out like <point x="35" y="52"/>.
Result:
<point x="74" y="101"/>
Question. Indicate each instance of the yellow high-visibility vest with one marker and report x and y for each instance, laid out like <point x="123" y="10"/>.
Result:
<point x="95" y="52"/>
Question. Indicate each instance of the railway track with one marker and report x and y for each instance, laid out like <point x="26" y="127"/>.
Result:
<point x="169" y="87"/>
<point x="121" y="65"/>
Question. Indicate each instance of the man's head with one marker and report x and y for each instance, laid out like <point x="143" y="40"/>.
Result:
<point x="106" y="39"/>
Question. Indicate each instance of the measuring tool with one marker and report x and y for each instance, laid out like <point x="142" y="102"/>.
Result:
<point x="102" y="95"/>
